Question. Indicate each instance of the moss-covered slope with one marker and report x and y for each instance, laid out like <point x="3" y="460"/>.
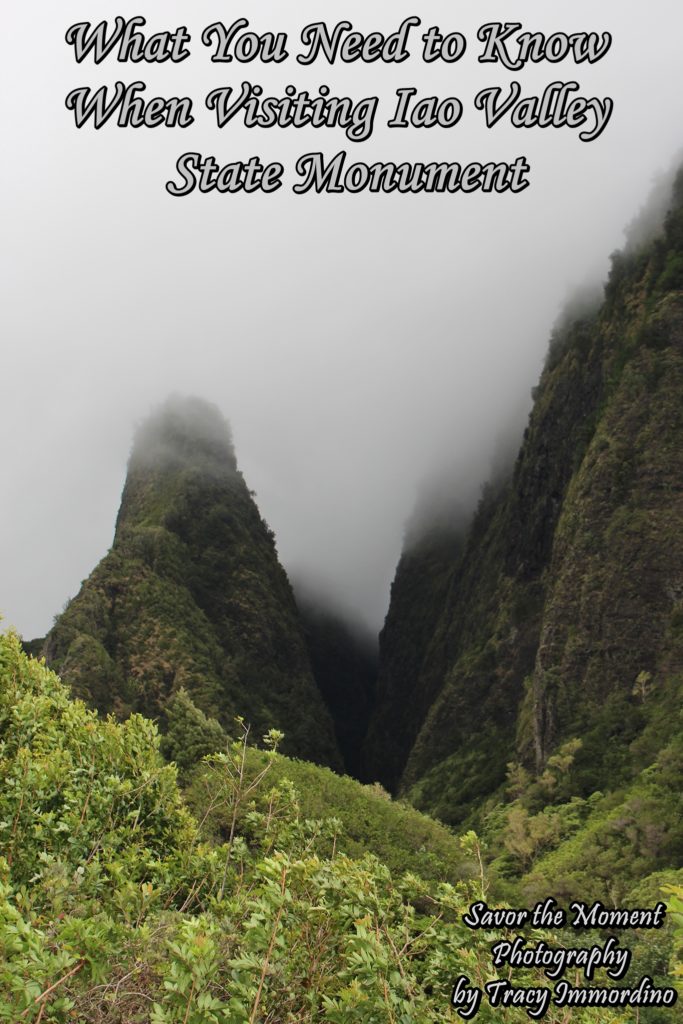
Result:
<point x="563" y="613"/>
<point x="192" y="595"/>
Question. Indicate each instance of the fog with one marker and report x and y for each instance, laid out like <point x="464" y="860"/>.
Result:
<point x="359" y="345"/>
<point x="183" y="432"/>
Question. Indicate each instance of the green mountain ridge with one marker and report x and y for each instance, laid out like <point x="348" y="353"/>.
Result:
<point x="158" y="865"/>
<point x="531" y="662"/>
<point x="191" y="595"/>
<point x="561" y="615"/>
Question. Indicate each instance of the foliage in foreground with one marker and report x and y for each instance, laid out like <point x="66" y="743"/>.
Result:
<point x="113" y="911"/>
<point x="368" y="820"/>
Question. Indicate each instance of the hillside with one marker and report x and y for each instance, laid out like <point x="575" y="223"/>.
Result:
<point x="367" y="820"/>
<point x="178" y="845"/>
<point x="561" y="618"/>
<point x="114" y="909"/>
<point x="191" y="595"/>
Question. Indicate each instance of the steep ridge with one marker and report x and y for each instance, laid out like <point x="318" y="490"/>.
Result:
<point x="562" y="617"/>
<point x="191" y="595"/>
<point x="555" y="615"/>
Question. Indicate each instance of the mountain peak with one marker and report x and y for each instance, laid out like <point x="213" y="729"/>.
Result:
<point x="192" y="595"/>
<point x="184" y="431"/>
<point x="185" y="446"/>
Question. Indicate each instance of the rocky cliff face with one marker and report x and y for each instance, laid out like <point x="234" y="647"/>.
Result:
<point x="562" y="615"/>
<point x="192" y="595"/>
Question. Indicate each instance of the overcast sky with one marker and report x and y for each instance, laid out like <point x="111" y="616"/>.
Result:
<point x="356" y="343"/>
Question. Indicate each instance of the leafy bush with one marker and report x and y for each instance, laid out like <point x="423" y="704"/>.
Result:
<point x="112" y="911"/>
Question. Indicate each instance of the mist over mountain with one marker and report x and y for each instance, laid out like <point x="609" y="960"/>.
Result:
<point x="404" y="634"/>
<point x="191" y="596"/>
<point x="360" y="345"/>
<point x="525" y="690"/>
<point x="542" y="620"/>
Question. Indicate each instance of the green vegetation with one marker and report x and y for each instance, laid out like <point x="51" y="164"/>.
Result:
<point x="530" y="687"/>
<point x="560" y="616"/>
<point x="368" y="820"/>
<point x="113" y="909"/>
<point x="192" y="596"/>
<point x="543" y="837"/>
